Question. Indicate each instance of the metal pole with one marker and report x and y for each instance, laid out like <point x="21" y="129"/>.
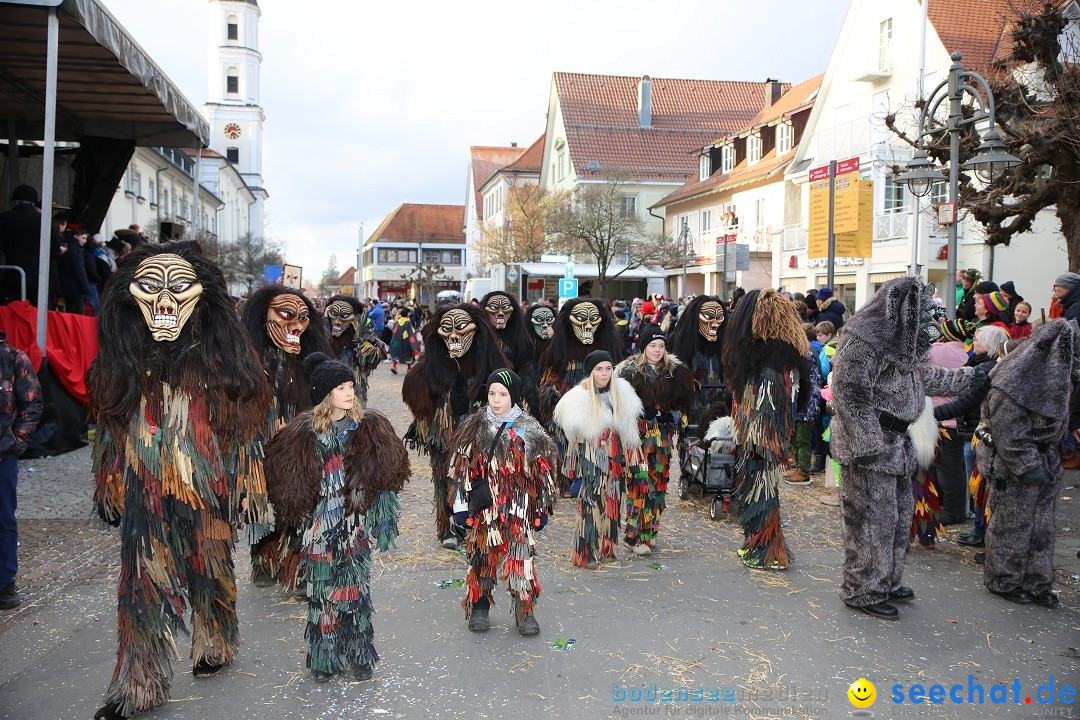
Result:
<point x="723" y="296"/>
<point x="360" y="264"/>
<point x="685" y="237"/>
<point x="956" y="96"/>
<point x="45" y="237"/>
<point x="195" y="201"/>
<point x="916" y="204"/>
<point x="830" y="273"/>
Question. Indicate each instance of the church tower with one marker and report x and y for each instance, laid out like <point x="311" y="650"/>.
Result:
<point x="233" y="111"/>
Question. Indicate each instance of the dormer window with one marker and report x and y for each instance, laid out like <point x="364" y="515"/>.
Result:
<point x="703" y="167"/>
<point x="753" y="149"/>
<point x="727" y="158"/>
<point x="783" y="138"/>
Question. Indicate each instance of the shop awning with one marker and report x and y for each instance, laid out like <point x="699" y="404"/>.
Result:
<point x="583" y="270"/>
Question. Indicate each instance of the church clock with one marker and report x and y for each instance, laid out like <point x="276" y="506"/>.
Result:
<point x="232" y="131"/>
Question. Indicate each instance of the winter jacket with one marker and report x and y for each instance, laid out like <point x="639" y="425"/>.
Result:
<point x="832" y="310"/>
<point x="73" y="280"/>
<point x="966" y="407"/>
<point x="1071" y="305"/>
<point x="378" y="317"/>
<point x="20" y="399"/>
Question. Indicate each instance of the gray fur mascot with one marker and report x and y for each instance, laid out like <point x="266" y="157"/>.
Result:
<point x="881" y="377"/>
<point x="1026" y="412"/>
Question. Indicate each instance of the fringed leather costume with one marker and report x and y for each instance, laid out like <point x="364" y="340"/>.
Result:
<point x="178" y="397"/>
<point x="338" y="490"/>
<point x="352" y="340"/>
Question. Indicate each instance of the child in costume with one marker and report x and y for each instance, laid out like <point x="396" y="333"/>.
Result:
<point x="598" y="423"/>
<point x="333" y="474"/>
<point x="505" y="466"/>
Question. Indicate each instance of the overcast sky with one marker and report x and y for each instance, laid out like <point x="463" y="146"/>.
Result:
<point x="371" y="104"/>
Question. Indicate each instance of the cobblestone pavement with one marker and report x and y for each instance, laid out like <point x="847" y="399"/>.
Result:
<point x="688" y="617"/>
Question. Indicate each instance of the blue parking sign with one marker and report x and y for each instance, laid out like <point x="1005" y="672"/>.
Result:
<point x="568" y="287"/>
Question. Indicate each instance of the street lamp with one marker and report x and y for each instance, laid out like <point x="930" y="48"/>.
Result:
<point x="684" y="236"/>
<point x="989" y="161"/>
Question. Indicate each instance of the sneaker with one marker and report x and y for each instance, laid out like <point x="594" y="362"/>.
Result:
<point x="798" y="476"/>
<point x="832" y="499"/>
<point x="9" y="597"/>
<point x="642" y="550"/>
<point x="1071" y="462"/>
<point x="759" y="565"/>
<point x="450" y="543"/>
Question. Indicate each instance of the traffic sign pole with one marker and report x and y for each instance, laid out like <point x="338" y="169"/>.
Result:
<point x="830" y="272"/>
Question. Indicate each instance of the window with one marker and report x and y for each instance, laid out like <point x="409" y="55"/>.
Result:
<point x="684" y="224"/>
<point x="703" y="167"/>
<point x="896" y="197"/>
<point x="753" y="149"/>
<point x="165" y="200"/>
<point x="705" y="221"/>
<point x="562" y="164"/>
<point x="727" y="158"/>
<point x="183" y="207"/>
<point x="885" y="45"/>
<point x="939" y="193"/>
<point x="232" y="31"/>
<point x="627" y="206"/>
<point x="153" y="193"/>
<point x="232" y="155"/>
<point x="401" y="257"/>
<point x="759" y="213"/>
<point x="136" y="183"/>
<point x="783" y="138"/>
<point x="232" y="82"/>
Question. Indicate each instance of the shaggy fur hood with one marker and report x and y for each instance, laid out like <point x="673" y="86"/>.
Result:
<point x="478" y="432"/>
<point x="582" y="418"/>
<point x="889" y="321"/>
<point x="1037" y="374"/>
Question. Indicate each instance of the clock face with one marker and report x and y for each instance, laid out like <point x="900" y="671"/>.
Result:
<point x="232" y="131"/>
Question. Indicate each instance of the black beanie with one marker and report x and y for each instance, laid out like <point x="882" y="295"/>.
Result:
<point x="508" y="379"/>
<point x="324" y="375"/>
<point x="649" y="333"/>
<point x="595" y="358"/>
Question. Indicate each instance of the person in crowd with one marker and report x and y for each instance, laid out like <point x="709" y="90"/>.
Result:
<point x="990" y="310"/>
<point x="512" y="330"/>
<point x="698" y="341"/>
<point x="622" y="330"/>
<point x="74" y="284"/>
<point x="92" y="276"/>
<point x="830" y="308"/>
<point x="966" y="280"/>
<point x="541" y="319"/>
<point x="665" y="387"/>
<point x="1021" y="326"/>
<point x="20" y="240"/>
<point x="378" y="316"/>
<point x="811" y="301"/>
<point x="104" y="263"/>
<point x="597" y="422"/>
<point x="806" y="421"/>
<point x="1008" y="291"/>
<point x="504" y="469"/>
<point x="333" y="474"/>
<point x="948" y="468"/>
<point x="353" y="341"/>
<point x="20" y="411"/>
<point x="966" y="311"/>
<point x="403" y="343"/>
<point x="1067" y="293"/>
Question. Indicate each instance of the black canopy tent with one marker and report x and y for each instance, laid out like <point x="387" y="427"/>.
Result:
<point x="70" y="72"/>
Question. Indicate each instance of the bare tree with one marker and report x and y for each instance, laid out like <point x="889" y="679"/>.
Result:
<point x="597" y="220"/>
<point x="425" y="275"/>
<point x="519" y="237"/>
<point x="1037" y="101"/>
<point x="243" y="261"/>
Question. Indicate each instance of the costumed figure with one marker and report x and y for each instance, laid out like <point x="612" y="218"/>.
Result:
<point x="583" y="325"/>
<point x="1024" y="417"/>
<point x="597" y="422"/>
<point x="666" y="390"/>
<point x="765" y="363"/>
<point x="504" y="467"/>
<point x="880" y="379"/>
<point x="278" y="319"/>
<point x="333" y="475"/>
<point x="403" y="345"/>
<point x="353" y="341"/>
<point x="512" y="330"/>
<point x="542" y="328"/>
<point x="698" y="340"/>
<point x="460" y="352"/>
<point x="179" y="399"/>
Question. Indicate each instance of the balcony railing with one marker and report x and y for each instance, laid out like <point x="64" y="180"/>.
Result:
<point x="794" y="238"/>
<point x="891" y="226"/>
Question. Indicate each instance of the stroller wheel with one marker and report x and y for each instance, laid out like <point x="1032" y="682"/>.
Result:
<point x="719" y="507"/>
<point x="684" y="487"/>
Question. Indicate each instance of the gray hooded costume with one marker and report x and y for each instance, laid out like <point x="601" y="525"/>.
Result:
<point x="1026" y="413"/>
<point x="881" y="377"/>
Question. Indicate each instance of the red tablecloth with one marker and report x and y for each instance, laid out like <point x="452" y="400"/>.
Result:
<point x="70" y="343"/>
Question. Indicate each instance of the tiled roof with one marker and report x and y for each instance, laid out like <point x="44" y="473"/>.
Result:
<point x="531" y="160"/>
<point x="798" y="97"/>
<point x="600" y="116"/>
<point x="974" y="27"/>
<point x="486" y="161"/>
<point x="414" y="222"/>
<point x="347" y="278"/>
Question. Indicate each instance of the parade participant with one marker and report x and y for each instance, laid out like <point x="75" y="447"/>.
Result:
<point x="353" y="341"/>
<point x="403" y="345"/>
<point x="278" y="320"/>
<point x="698" y="340"/>
<point x="511" y="328"/>
<point x="179" y="398"/>
<point x="765" y="364"/>
<point x="461" y="351"/>
<point x="542" y="321"/>
<point x="333" y="474"/>
<point x="666" y="390"/>
<point x="597" y="422"/>
<point x="880" y="381"/>
<point x="504" y="467"/>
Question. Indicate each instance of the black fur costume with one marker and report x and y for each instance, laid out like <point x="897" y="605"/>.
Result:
<point x="179" y="426"/>
<point x="271" y="552"/>
<point x="518" y="347"/>
<point x="704" y="358"/>
<point x="441" y="391"/>
<point x="357" y="347"/>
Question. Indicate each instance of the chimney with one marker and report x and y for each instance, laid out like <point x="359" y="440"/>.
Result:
<point x="513" y="144"/>
<point x="644" y="102"/>
<point x="773" y="90"/>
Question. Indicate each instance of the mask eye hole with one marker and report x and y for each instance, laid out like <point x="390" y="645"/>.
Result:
<point x="151" y="286"/>
<point x="180" y="286"/>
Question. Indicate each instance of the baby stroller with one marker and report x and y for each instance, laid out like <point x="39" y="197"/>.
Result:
<point x="709" y="463"/>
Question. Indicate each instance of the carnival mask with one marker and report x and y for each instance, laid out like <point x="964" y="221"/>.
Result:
<point x="930" y="319"/>
<point x="286" y="320"/>
<point x="585" y="318"/>
<point x="710" y="318"/>
<point x="339" y="315"/>
<point x="543" y="322"/>
<point x="166" y="288"/>
<point x="457" y="329"/>
<point x="499" y="309"/>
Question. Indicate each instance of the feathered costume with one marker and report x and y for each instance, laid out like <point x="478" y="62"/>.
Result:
<point x="880" y="379"/>
<point x="339" y="490"/>
<point x="582" y="326"/>
<point x="352" y="340"/>
<point x="698" y="340"/>
<point x="765" y="364"/>
<point x="519" y="470"/>
<point x="603" y="448"/>
<point x="666" y="394"/>
<point x="512" y="330"/>
<point x="280" y="323"/>
<point x="1026" y="414"/>
<point x="179" y="397"/>
<point x="441" y="389"/>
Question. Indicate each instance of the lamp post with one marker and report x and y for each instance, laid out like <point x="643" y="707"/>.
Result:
<point x="684" y="236"/>
<point x="989" y="161"/>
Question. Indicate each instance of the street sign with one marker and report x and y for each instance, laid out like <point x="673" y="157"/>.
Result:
<point x="511" y="275"/>
<point x="568" y="287"/>
<point x="568" y="272"/>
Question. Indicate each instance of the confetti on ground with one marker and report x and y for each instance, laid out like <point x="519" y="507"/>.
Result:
<point x="459" y="582"/>
<point x="563" y="643"/>
<point x="655" y="566"/>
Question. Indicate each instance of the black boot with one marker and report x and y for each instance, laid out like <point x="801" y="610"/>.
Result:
<point x="902" y="594"/>
<point x="529" y="626"/>
<point x="882" y="610"/>
<point x="110" y="712"/>
<point x="1045" y="598"/>
<point x="362" y="672"/>
<point x="478" y="619"/>
<point x="971" y="540"/>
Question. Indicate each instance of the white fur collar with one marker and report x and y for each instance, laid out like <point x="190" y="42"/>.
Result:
<point x="584" y="419"/>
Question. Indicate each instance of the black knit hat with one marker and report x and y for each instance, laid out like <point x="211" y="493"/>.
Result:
<point x="595" y="358"/>
<point x="324" y="375"/>
<point x="509" y="380"/>
<point x="649" y="333"/>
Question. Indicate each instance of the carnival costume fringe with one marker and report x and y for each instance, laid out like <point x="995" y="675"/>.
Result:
<point x="646" y="497"/>
<point x="432" y="438"/>
<point x="552" y="387"/>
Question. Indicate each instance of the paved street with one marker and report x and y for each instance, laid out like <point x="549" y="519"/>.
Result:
<point x="779" y="645"/>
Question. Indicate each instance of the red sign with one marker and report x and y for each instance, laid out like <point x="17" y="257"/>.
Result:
<point x="843" y="167"/>
<point x="819" y="173"/>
